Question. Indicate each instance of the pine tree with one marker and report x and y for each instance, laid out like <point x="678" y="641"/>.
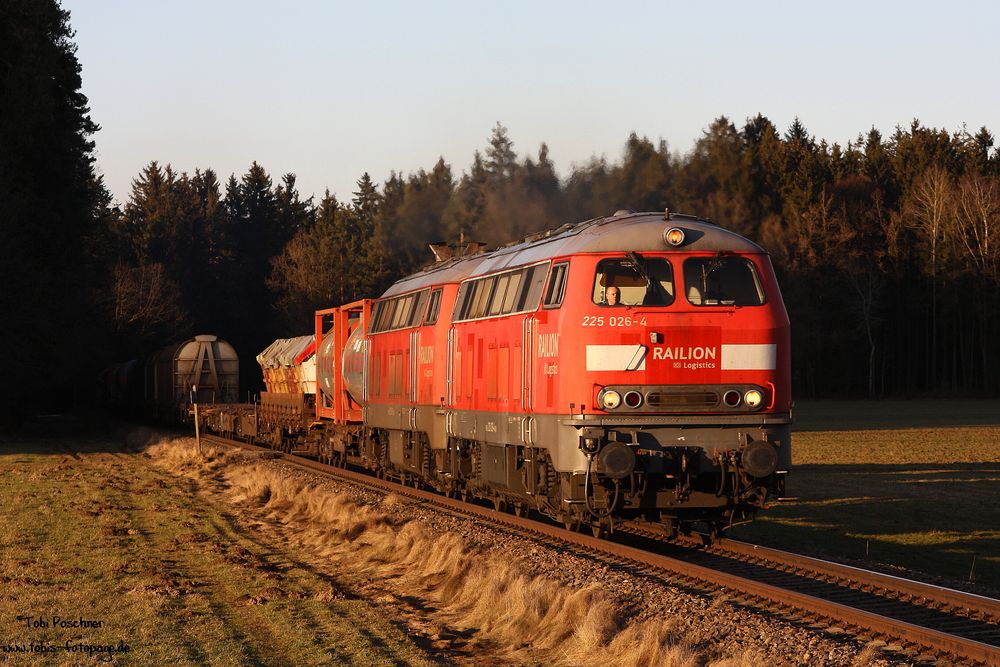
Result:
<point x="315" y="270"/>
<point x="464" y="212"/>
<point x="977" y="150"/>
<point x="646" y="176"/>
<point x="367" y="203"/>
<point x="293" y="214"/>
<point x="50" y="204"/>
<point x="501" y="160"/>
<point x="541" y="177"/>
<point x="369" y="241"/>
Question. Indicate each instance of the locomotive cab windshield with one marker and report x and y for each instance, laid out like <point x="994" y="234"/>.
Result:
<point x="641" y="281"/>
<point x="725" y="280"/>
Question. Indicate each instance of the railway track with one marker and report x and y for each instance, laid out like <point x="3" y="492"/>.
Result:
<point x="932" y="621"/>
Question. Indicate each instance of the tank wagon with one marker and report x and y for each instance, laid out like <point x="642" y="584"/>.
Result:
<point x="163" y="384"/>
<point x="634" y="366"/>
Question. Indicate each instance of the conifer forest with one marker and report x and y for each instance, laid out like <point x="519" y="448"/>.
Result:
<point x="887" y="247"/>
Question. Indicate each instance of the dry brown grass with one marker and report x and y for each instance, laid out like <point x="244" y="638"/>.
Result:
<point x="748" y="658"/>
<point x="465" y="589"/>
<point x="867" y="656"/>
<point x="904" y="446"/>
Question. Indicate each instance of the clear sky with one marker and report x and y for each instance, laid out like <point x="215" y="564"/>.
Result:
<point x="329" y="90"/>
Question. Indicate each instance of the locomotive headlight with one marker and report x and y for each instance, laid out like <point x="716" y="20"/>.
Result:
<point x="753" y="398"/>
<point x="611" y="399"/>
<point x="674" y="236"/>
<point x="633" y="399"/>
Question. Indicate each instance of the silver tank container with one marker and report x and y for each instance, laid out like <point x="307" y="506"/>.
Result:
<point x="351" y="365"/>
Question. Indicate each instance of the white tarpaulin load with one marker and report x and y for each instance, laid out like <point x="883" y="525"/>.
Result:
<point x="282" y="373"/>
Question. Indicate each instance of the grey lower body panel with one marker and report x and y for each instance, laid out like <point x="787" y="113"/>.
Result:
<point x="560" y="435"/>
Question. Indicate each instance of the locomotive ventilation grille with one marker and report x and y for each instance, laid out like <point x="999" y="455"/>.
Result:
<point x="682" y="399"/>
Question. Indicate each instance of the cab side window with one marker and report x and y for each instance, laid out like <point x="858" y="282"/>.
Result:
<point x="434" y="307"/>
<point x="557" y="286"/>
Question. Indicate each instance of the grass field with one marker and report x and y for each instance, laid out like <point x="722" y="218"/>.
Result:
<point x="171" y="556"/>
<point x="914" y="484"/>
<point x="107" y="538"/>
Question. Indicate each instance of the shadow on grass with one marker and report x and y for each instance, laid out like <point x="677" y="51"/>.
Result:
<point x="894" y="414"/>
<point x="933" y="518"/>
<point x="78" y="433"/>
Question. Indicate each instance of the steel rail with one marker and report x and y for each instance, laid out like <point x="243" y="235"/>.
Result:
<point x="950" y="597"/>
<point x="927" y="638"/>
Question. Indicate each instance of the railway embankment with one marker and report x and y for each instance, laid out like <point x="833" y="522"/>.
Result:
<point x="528" y="601"/>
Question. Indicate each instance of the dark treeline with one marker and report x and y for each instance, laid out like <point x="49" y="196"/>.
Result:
<point x="888" y="248"/>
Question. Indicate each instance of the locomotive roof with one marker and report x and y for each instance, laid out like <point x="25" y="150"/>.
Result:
<point x="622" y="232"/>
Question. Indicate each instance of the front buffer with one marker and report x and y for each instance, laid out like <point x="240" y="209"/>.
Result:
<point x="677" y="474"/>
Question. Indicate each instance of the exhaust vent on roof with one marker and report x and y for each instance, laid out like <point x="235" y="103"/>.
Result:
<point x="624" y="211"/>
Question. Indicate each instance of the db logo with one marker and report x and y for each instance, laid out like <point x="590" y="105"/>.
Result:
<point x="677" y="364"/>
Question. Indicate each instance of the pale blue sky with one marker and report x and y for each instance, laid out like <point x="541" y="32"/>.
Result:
<point x="329" y="90"/>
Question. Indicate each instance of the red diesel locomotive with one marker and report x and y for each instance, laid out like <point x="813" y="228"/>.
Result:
<point x="628" y="367"/>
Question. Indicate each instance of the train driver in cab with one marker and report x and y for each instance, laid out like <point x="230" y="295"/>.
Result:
<point x="611" y="296"/>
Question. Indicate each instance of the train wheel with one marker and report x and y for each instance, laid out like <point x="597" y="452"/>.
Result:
<point x="600" y="529"/>
<point x="569" y="522"/>
<point x="499" y="504"/>
<point x="520" y="509"/>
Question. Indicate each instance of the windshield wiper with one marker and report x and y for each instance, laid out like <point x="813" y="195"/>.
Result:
<point x="652" y="286"/>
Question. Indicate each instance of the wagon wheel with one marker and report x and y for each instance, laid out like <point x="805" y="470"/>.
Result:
<point x="569" y="521"/>
<point x="600" y="529"/>
<point x="499" y="504"/>
<point x="520" y="509"/>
